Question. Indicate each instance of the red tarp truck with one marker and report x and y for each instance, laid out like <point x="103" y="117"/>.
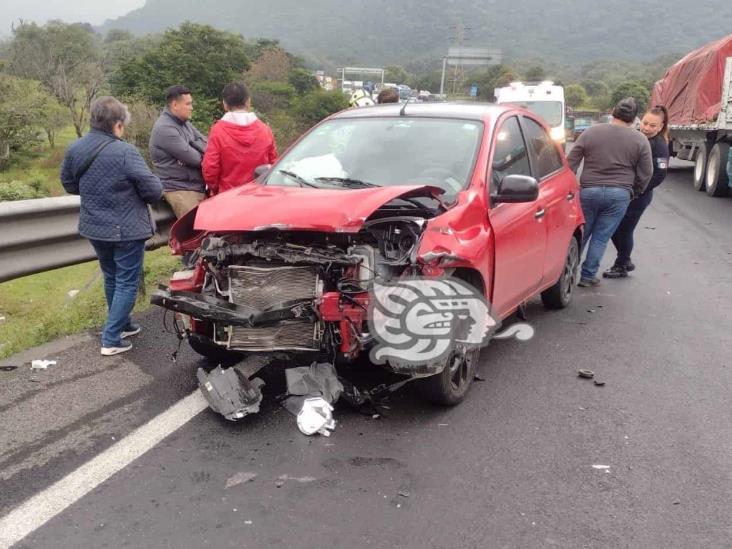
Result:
<point x="697" y="91"/>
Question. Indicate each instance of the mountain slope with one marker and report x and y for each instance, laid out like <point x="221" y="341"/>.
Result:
<point x="407" y="31"/>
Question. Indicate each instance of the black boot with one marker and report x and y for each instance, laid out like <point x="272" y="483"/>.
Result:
<point x="616" y="271"/>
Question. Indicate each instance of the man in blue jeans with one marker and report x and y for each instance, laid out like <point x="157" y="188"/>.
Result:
<point x="115" y="186"/>
<point x="617" y="166"/>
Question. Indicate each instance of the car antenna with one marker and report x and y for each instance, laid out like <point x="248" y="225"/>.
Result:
<point x="403" y="111"/>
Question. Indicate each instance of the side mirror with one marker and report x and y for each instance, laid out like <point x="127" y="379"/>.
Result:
<point x="516" y="188"/>
<point x="261" y="170"/>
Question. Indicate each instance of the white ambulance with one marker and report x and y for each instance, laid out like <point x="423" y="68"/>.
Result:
<point x="543" y="98"/>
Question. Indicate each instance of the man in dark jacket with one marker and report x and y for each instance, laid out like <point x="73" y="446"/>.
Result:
<point x="617" y="167"/>
<point x="237" y="143"/>
<point x="176" y="150"/>
<point x="115" y="186"/>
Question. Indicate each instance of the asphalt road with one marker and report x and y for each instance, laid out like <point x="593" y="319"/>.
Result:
<point x="510" y="467"/>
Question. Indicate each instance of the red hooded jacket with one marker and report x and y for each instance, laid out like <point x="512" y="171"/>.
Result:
<point x="237" y="144"/>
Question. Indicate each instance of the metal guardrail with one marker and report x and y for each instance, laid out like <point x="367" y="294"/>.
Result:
<point x="42" y="234"/>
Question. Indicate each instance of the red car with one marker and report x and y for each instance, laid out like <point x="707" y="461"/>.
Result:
<point x="477" y="192"/>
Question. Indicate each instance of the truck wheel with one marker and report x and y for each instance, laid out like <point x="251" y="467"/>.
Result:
<point x="717" y="180"/>
<point x="700" y="167"/>
<point x="560" y="295"/>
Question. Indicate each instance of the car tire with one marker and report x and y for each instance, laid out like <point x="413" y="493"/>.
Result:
<point x="717" y="182"/>
<point x="559" y="296"/>
<point x="700" y="167"/>
<point x="210" y="350"/>
<point x="451" y="386"/>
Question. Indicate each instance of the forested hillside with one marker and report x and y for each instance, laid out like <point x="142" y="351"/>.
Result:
<point x="409" y="31"/>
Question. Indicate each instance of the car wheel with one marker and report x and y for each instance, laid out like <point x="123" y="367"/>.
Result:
<point x="717" y="180"/>
<point x="450" y="387"/>
<point x="210" y="350"/>
<point x="700" y="167"/>
<point x="560" y="295"/>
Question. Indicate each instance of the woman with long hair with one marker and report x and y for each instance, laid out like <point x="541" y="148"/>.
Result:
<point x="654" y="126"/>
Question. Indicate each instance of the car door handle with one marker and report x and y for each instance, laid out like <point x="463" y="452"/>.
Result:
<point x="540" y="213"/>
<point x="570" y="196"/>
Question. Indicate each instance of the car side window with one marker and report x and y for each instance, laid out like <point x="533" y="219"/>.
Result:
<point x="545" y="158"/>
<point x="510" y="156"/>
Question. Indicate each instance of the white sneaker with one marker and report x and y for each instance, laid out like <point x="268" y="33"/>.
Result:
<point x="109" y="351"/>
<point x="134" y="330"/>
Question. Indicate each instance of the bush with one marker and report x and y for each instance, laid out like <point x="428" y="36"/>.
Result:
<point x="270" y="96"/>
<point x="18" y="190"/>
<point x="320" y="104"/>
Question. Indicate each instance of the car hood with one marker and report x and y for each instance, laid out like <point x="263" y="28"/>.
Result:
<point x="256" y="207"/>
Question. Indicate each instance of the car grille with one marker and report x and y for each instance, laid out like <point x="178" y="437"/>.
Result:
<point x="266" y="287"/>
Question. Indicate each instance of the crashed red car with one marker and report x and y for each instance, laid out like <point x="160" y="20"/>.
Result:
<point x="476" y="192"/>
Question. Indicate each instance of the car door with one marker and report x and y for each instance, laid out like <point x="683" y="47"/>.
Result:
<point x="557" y="196"/>
<point x="520" y="235"/>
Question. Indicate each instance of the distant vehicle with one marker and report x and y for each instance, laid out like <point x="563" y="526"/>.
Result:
<point x="605" y="119"/>
<point x="697" y="91"/>
<point x="544" y="99"/>
<point x="581" y="123"/>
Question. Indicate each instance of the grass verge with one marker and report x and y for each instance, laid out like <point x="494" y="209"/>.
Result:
<point x="45" y="306"/>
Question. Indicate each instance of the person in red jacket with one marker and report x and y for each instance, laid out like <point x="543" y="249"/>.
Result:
<point x="237" y="143"/>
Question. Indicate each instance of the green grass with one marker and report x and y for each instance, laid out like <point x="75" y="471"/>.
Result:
<point x="40" y="167"/>
<point x="38" y="308"/>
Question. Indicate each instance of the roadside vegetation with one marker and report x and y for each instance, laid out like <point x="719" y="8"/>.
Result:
<point x="45" y="306"/>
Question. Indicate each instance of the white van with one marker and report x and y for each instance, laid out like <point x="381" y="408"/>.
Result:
<point x="544" y="99"/>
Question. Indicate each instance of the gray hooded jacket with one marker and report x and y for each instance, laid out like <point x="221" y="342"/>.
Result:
<point x="176" y="150"/>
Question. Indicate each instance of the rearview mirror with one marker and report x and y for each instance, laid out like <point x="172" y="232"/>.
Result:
<point x="516" y="188"/>
<point x="261" y="170"/>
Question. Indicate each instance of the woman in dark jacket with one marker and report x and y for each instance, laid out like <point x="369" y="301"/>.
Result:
<point x="655" y="127"/>
<point x="115" y="186"/>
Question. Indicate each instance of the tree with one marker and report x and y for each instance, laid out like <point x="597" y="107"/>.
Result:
<point x="20" y="115"/>
<point x="65" y="59"/>
<point x="318" y="104"/>
<point x="273" y="65"/>
<point x="53" y="117"/>
<point x="395" y="74"/>
<point x="575" y="96"/>
<point x="636" y="89"/>
<point x="201" y="57"/>
<point x="535" y="74"/>
<point x="303" y="81"/>
<point x="271" y="96"/>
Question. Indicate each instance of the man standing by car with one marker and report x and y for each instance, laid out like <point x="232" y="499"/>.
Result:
<point x="237" y="143"/>
<point x="617" y="167"/>
<point x="115" y="186"/>
<point x="176" y="150"/>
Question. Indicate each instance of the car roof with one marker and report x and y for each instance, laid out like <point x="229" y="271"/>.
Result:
<point x="467" y="111"/>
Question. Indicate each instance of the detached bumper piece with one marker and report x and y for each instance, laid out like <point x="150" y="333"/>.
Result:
<point x="230" y="393"/>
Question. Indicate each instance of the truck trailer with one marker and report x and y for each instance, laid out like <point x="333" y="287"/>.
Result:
<point x="697" y="91"/>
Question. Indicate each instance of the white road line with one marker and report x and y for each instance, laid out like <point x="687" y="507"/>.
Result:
<point x="41" y="508"/>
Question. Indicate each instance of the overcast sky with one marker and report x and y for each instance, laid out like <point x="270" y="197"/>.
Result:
<point x="91" y="11"/>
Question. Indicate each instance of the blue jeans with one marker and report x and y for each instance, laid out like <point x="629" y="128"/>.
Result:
<point x="604" y="208"/>
<point x="121" y="263"/>
<point x="623" y="237"/>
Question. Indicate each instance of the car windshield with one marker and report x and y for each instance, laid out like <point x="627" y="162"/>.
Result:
<point x="365" y="152"/>
<point x="551" y="111"/>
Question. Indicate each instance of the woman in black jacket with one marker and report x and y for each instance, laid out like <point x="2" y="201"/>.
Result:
<point x="655" y="127"/>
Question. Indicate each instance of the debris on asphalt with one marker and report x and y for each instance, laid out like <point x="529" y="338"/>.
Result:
<point x="375" y="416"/>
<point x="239" y="478"/>
<point x="590" y="310"/>
<point x="229" y="392"/>
<point x="478" y="377"/>
<point x="599" y="383"/>
<point x="651" y="228"/>
<point x="403" y="493"/>
<point x="316" y="416"/>
<point x="42" y="364"/>
<point x="302" y="480"/>
<point x="317" y="379"/>
<point x="8" y="368"/>
<point x="601" y="467"/>
<point x="587" y="374"/>
<point x="677" y="502"/>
